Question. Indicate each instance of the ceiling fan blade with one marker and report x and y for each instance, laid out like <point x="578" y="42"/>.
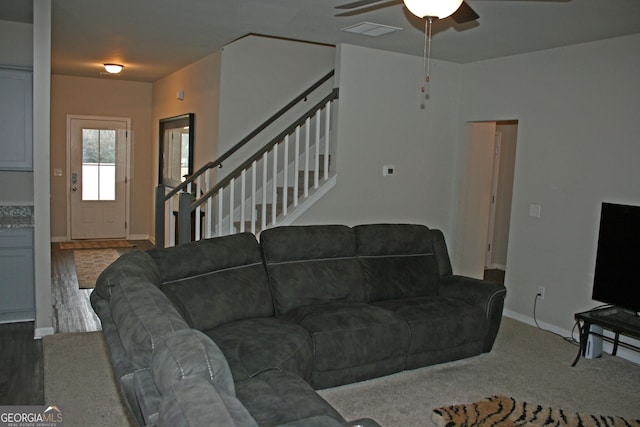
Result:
<point x="380" y="5"/>
<point x="357" y="4"/>
<point x="464" y="14"/>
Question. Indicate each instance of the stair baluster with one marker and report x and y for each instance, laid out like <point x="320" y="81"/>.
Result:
<point x="204" y="201"/>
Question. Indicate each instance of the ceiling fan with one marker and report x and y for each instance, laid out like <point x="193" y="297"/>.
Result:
<point x="459" y="10"/>
<point x="429" y="10"/>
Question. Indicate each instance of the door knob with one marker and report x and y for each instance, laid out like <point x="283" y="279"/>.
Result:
<point x="74" y="188"/>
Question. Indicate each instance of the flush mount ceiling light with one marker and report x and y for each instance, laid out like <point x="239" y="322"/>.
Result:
<point x="432" y="8"/>
<point x="113" y="68"/>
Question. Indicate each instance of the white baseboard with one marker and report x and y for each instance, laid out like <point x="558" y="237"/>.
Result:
<point x="607" y="347"/>
<point x="40" y="333"/>
<point x="58" y="239"/>
<point x="138" y="237"/>
<point x="530" y="321"/>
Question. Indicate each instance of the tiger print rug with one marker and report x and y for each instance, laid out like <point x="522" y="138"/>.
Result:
<point x="501" y="411"/>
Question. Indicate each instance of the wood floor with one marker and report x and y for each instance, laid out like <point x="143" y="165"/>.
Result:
<point x="21" y="365"/>
<point x="72" y="309"/>
<point x="21" y="360"/>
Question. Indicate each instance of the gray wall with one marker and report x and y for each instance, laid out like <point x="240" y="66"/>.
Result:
<point x="384" y="119"/>
<point x="578" y="112"/>
<point x="579" y="120"/>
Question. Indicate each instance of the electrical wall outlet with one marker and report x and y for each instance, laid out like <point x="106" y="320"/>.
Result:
<point x="540" y="293"/>
<point x="388" y="170"/>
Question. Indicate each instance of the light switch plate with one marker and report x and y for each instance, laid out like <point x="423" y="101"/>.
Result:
<point x="535" y="210"/>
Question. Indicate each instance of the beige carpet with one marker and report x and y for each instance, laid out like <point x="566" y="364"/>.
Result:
<point x="79" y="380"/>
<point x="90" y="263"/>
<point x="95" y="244"/>
<point x="504" y="411"/>
<point x="526" y="363"/>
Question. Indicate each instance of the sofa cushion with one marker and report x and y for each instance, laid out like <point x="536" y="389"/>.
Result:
<point x="349" y="339"/>
<point x="309" y="265"/>
<point x="442" y="328"/>
<point x="132" y="264"/>
<point x="397" y="260"/>
<point x="186" y="354"/>
<point x="252" y="346"/>
<point x="217" y="280"/>
<point x="277" y="397"/>
<point x="195" y="402"/>
<point x="143" y="315"/>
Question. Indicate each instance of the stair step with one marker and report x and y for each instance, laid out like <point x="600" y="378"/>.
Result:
<point x="279" y="194"/>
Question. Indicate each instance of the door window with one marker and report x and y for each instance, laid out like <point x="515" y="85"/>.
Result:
<point x="99" y="164"/>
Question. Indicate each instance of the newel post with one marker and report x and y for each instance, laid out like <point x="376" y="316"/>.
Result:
<point x="184" y="217"/>
<point x="160" y="219"/>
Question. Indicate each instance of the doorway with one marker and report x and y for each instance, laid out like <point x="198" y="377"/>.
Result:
<point x="486" y="197"/>
<point x="97" y="165"/>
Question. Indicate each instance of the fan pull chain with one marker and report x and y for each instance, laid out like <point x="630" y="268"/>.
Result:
<point x="426" y="64"/>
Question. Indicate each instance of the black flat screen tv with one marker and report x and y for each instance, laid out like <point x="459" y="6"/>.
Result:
<point x="617" y="273"/>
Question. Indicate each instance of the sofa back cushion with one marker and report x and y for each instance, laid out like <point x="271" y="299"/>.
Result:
<point x="310" y="265"/>
<point x="216" y="281"/>
<point x="398" y="260"/>
<point x="143" y="315"/>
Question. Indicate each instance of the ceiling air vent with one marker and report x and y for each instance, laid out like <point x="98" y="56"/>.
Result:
<point x="371" y="29"/>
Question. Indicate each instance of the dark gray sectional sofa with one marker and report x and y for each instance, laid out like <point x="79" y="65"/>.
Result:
<point x="231" y="331"/>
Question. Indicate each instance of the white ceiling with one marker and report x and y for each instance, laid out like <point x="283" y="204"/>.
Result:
<point x="153" y="38"/>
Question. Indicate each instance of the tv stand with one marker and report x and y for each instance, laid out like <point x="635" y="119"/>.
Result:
<point x="614" y="319"/>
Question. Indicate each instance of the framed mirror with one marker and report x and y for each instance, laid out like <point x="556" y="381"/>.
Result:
<point x="176" y="149"/>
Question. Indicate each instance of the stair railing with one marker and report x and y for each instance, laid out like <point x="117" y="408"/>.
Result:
<point x="192" y="204"/>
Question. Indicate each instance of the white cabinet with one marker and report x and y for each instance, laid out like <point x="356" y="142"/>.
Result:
<point x="16" y="135"/>
<point x="16" y="275"/>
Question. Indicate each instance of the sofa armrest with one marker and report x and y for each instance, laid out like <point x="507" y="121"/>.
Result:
<point x="487" y="294"/>
<point x="195" y="402"/>
<point x="122" y="368"/>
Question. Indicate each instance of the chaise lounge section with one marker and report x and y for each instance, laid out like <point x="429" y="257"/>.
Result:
<point x="241" y="332"/>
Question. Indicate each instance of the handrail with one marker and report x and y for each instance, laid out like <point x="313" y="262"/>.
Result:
<point x="218" y="162"/>
<point x="199" y="201"/>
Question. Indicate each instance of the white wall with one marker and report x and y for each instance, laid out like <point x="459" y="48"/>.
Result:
<point x="579" y="119"/>
<point x="200" y="82"/>
<point x="259" y="76"/>
<point x="16" y="44"/>
<point x="383" y="119"/>
<point x="41" y="166"/>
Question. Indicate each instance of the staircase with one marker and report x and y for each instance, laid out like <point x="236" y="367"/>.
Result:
<point x="273" y="186"/>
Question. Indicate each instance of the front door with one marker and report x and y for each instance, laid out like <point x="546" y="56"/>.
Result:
<point x="97" y="177"/>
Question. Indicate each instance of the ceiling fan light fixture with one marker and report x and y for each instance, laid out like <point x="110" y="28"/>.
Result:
<point x="113" y="68"/>
<point x="433" y="8"/>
